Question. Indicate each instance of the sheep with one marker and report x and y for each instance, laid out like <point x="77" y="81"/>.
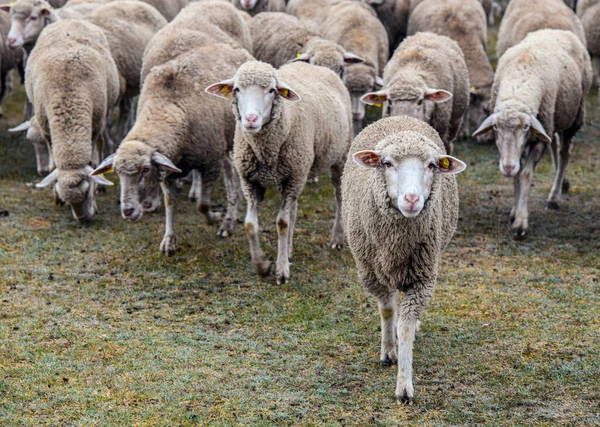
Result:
<point x="394" y="16"/>
<point x="400" y="210"/>
<point x="526" y="16"/>
<point x="426" y="71"/>
<point x="355" y="26"/>
<point x="129" y="26"/>
<point x="278" y="38"/>
<point x="463" y="21"/>
<point x="254" y="7"/>
<point x="589" y="12"/>
<point x="73" y="83"/>
<point x="539" y="98"/>
<point x="192" y="131"/>
<point x="168" y="8"/>
<point x="9" y="58"/>
<point x="292" y="123"/>
<point x="312" y="12"/>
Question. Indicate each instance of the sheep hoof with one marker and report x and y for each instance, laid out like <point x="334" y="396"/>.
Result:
<point x="405" y="394"/>
<point x="566" y="186"/>
<point x="223" y="233"/>
<point x="337" y="246"/>
<point x="282" y="279"/>
<point x="520" y="234"/>
<point x="512" y="218"/>
<point x="192" y="198"/>
<point x="263" y="267"/>
<point x="167" y="246"/>
<point x="388" y="361"/>
<point x="552" y="206"/>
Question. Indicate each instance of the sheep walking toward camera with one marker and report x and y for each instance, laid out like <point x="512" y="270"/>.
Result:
<point x="254" y="7"/>
<point x="278" y="38"/>
<point x="427" y="78"/>
<point x="400" y="210"/>
<point x="292" y="123"/>
<point x="73" y="83"/>
<point x="526" y="16"/>
<point x="539" y="99"/>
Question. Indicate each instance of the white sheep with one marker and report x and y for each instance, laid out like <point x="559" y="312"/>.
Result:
<point x="539" y="99"/>
<point x="589" y="12"/>
<point x="292" y="123"/>
<point x="400" y="210"/>
<point x="427" y="78"/>
<point x="73" y="84"/>
<point x="254" y="7"/>
<point x="9" y="58"/>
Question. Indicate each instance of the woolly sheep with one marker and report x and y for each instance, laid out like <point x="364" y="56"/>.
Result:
<point x="355" y="26"/>
<point x="278" y="38"/>
<point x="589" y="12"/>
<point x="312" y="12"/>
<point x="463" y="21"/>
<point x="254" y="7"/>
<point x="73" y="83"/>
<point x="400" y="210"/>
<point x="539" y="98"/>
<point x="129" y="26"/>
<point x="191" y="131"/>
<point x="168" y="8"/>
<point x="427" y="78"/>
<point x="526" y="16"/>
<point x="9" y="58"/>
<point x="292" y="123"/>
<point x="394" y="16"/>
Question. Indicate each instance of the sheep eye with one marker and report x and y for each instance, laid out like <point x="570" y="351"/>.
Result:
<point x="33" y="18"/>
<point x="145" y="169"/>
<point x="420" y="102"/>
<point x="494" y="128"/>
<point x="526" y="128"/>
<point x="272" y="91"/>
<point x="387" y="164"/>
<point x="431" y="165"/>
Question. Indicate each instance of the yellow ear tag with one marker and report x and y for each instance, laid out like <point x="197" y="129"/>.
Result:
<point x="12" y="3"/>
<point x="378" y="105"/>
<point x="535" y="131"/>
<point x="225" y="89"/>
<point x="285" y="92"/>
<point x="111" y="170"/>
<point x="445" y="163"/>
<point x="491" y="130"/>
<point x="298" y="55"/>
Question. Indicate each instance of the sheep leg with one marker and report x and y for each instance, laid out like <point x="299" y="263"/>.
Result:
<point x="167" y="245"/>
<point x="108" y="144"/>
<point x="411" y="308"/>
<point x="388" y="311"/>
<point x="561" y="170"/>
<point x="126" y="118"/>
<point x="293" y="217"/>
<point x="232" y="187"/>
<point x="254" y="194"/>
<point x="43" y="156"/>
<point x="517" y="188"/>
<point x="196" y="187"/>
<point x="521" y="222"/>
<point x="208" y="180"/>
<point x="289" y="203"/>
<point x="337" y="232"/>
<point x="4" y="87"/>
<point x="555" y="145"/>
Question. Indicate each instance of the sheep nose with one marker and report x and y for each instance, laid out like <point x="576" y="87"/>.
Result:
<point x="357" y="116"/>
<point x="251" y="118"/>
<point x="128" y="211"/>
<point x="508" y="169"/>
<point x="147" y="205"/>
<point x="411" y="199"/>
<point x="11" y="41"/>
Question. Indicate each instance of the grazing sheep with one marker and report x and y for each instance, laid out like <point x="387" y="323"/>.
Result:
<point x="526" y="16"/>
<point x="192" y="131"/>
<point x="400" y="210"/>
<point x="355" y="26"/>
<point x="278" y="38"/>
<point x="539" y="98"/>
<point x="73" y="83"/>
<point x="589" y="12"/>
<point x="9" y="58"/>
<point x="292" y="123"/>
<point x="426" y="71"/>
<point x="254" y="7"/>
<point x="463" y="21"/>
<point x="394" y="16"/>
<point x="312" y="12"/>
<point x="129" y="26"/>
<point x="168" y="8"/>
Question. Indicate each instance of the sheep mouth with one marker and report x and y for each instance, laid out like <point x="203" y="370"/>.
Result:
<point x="252" y="129"/>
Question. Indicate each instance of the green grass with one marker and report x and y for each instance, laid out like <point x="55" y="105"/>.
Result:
<point x="97" y="328"/>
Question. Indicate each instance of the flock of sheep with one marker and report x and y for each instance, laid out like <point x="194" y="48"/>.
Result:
<point x="270" y="93"/>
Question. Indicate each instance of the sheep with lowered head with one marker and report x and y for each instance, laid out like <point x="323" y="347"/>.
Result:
<point x="279" y="38"/>
<point x="400" y="210"/>
<point x="73" y="84"/>
<point x="254" y="7"/>
<point x="292" y="123"/>
<point x="589" y="13"/>
<point x="539" y="99"/>
<point x="427" y="78"/>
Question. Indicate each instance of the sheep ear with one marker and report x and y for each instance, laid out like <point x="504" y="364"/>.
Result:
<point x="164" y="162"/>
<point x="539" y="131"/>
<point x="375" y="98"/>
<point x="486" y="126"/>
<point x="437" y="95"/>
<point x="378" y="81"/>
<point x="49" y="180"/>
<point x="450" y="165"/>
<point x="99" y="179"/>
<point x="222" y="89"/>
<point x="367" y="159"/>
<point x="301" y="57"/>
<point x="350" y="58"/>
<point x="287" y="92"/>
<point x="22" y="127"/>
<point x="5" y="7"/>
<point x="105" y="167"/>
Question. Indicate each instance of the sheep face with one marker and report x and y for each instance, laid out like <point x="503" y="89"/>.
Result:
<point x="512" y="131"/>
<point x="328" y="54"/>
<point x="360" y="79"/>
<point x="255" y="92"/>
<point x="27" y="23"/>
<point x="140" y="169"/>
<point x="416" y="101"/>
<point x="408" y="175"/>
<point x="248" y="4"/>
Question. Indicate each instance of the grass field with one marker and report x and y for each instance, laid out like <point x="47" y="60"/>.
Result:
<point x="97" y="328"/>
